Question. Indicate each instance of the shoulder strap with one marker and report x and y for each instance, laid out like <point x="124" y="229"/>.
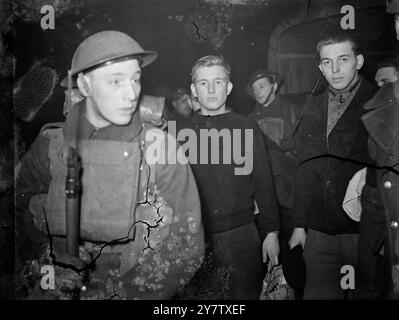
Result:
<point x="55" y="133"/>
<point x="146" y="127"/>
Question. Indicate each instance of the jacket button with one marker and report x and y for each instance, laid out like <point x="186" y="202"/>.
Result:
<point x="327" y="183"/>
<point x="387" y="185"/>
<point x="394" y="225"/>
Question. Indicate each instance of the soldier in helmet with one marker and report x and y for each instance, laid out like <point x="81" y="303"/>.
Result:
<point x="275" y="116"/>
<point x="141" y="234"/>
<point x="388" y="71"/>
<point x="277" y="119"/>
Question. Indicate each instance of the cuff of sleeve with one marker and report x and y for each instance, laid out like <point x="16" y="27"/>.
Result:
<point x="265" y="231"/>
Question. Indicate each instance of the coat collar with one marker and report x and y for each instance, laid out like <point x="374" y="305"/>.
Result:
<point x="382" y="122"/>
<point x="276" y="104"/>
<point x="77" y="122"/>
<point x="318" y="106"/>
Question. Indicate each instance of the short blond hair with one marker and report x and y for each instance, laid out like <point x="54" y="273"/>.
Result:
<point x="209" y="61"/>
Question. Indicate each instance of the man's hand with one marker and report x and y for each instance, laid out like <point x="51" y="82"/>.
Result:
<point x="271" y="248"/>
<point x="298" y="237"/>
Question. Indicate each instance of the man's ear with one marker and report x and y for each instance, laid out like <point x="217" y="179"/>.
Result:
<point x="359" y="61"/>
<point x="275" y="87"/>
<point x="321" y="69"/>
<point x="84" y="84"/>
<point x="174" y="104"/>
<point x="229" y="87"/>
<point x="193" y="91"/>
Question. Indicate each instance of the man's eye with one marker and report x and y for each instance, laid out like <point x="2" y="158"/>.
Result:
<point x="325" y="63"/>
<point x="115" y="83"/>
<point x="344" y="59"/>
<point x="136" y="81"/>
<point x="202" y="83"/>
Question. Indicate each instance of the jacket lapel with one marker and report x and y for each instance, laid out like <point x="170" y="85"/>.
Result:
<point x="317" y="112"/>
<point x="382" y="121"/>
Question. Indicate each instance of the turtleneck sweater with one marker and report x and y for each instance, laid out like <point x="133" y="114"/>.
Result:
<point x="227" y="199"/>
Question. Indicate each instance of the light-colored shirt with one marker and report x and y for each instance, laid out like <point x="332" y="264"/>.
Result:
<point x="338" y="102"/>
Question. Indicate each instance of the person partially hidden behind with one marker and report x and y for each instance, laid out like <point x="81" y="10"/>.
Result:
<point x="379" y="225"/>
<point x="387" y="72"/>
<point x="276" y="117"/>
<point x="181" y="102"/>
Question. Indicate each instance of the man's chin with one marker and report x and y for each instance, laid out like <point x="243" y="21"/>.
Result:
<point x="122" y="121"/>
<point x="339" y="86"/>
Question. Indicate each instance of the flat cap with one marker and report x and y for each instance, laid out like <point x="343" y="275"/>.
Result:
<point x="262" y="73"/>
<point x="106" y="47"/>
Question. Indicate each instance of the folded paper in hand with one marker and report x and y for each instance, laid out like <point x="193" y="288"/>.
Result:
<point x="351" y="204"/>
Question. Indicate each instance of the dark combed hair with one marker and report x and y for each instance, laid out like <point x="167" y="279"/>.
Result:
<point x="338" y="38"/>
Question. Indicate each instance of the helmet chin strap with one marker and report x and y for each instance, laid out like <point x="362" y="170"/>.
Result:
<point x="91" y="103"/>
<point x="93" y="108"/>
<point x="269" y="98"/>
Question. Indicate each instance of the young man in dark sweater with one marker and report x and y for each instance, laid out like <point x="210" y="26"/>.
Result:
<point x="238" y="239"/>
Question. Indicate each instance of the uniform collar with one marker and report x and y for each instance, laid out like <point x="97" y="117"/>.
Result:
<point x="77" y="122"/>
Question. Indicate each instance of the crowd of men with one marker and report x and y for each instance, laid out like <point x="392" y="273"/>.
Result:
<point x="158" y="220"/>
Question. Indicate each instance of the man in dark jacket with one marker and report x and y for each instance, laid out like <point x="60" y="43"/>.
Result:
<point x="379" y="239"/>
<point x="332" y="143"/>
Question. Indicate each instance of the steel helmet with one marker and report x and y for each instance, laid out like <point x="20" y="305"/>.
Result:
<point x="262" y="73"/>
<point x="106" y="47"/>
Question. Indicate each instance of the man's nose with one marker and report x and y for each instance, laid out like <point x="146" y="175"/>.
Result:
<point x="335" y="67"/>
<point x="132" y="92"/>
<point x="211" y="88"/>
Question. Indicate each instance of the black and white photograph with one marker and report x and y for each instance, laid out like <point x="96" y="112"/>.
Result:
<point x="201" y="153"/>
